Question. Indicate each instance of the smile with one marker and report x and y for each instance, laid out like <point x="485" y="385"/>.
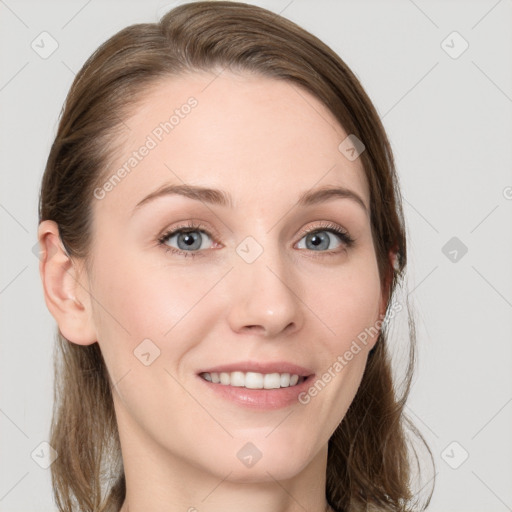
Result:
<point x="253" y="380"/>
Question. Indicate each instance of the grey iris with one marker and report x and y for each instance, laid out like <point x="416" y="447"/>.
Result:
<point x="320" y="240"/>
<point x="191" y="240"/>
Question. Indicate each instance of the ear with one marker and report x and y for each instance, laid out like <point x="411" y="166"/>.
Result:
<point x="386" y="292"/>
<point x="67" y="299"/>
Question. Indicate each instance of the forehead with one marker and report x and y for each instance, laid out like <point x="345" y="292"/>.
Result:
<point x="253" y="136"/>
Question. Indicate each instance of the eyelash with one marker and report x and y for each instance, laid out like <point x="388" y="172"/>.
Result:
<point x="192" y="226"/>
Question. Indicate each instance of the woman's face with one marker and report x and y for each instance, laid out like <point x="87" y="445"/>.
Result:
<point x="246" y="290"/>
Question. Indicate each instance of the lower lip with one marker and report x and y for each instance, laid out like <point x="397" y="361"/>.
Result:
<point x="260" y="398"/>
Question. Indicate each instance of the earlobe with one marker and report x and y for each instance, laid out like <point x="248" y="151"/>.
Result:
<point x="66" y="298"/>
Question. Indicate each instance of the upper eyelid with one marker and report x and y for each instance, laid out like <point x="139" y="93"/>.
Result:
<point x="201" y="227"/>
<point x="197" y="226"/>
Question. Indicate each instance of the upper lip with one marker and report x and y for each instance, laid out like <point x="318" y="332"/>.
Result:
<point x="260" y="367"/>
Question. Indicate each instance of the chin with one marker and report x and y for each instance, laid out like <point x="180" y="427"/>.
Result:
<point x="252" y="465"/>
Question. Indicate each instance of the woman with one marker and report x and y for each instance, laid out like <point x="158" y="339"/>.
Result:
<point x="222" y="237"/>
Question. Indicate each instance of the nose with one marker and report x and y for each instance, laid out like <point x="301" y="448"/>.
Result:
<point x="264" y="301"/>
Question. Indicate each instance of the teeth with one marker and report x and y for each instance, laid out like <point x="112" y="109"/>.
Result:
<point x="272" y="381"/>
<point x="253" y="380"/>
<point x="236" y="379"/>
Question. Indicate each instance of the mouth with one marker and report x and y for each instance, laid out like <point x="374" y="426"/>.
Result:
<point x="257" y="385"/>
<point x="257" y="375"/>
<point x="254" y="380"/>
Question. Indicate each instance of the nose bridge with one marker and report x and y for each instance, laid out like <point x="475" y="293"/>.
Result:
<point x="264" y="296"/>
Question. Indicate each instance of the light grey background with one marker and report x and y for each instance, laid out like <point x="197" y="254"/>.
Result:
<point x="450" y="124"/>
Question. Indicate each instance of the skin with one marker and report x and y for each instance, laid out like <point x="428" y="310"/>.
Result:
<point x="264" y="142"/>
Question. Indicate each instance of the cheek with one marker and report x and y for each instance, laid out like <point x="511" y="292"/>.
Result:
<point x="140" y="292"/>
<point x="141" y="300"/>
<point x="349" y="304"/>
<point x="129" y="305"/>
<point x="350" y="309"/>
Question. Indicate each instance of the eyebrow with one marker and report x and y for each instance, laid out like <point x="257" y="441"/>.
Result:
<point x="221" y="198"/>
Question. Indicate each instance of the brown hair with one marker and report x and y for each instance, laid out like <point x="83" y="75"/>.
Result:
<point x="369" y="456"/>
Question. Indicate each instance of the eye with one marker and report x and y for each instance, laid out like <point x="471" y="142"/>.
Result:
<point x="189" y="239"/>
<point x="320" y="238"/>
